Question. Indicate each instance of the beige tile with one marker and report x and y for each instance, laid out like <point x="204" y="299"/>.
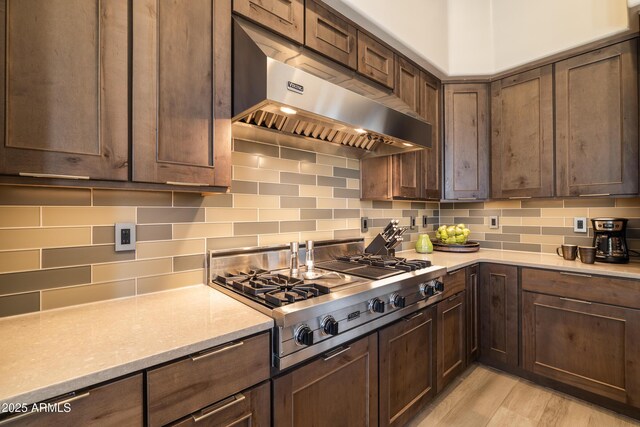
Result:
<point x="324" y="159"/>
<point x="57" y="216"/>
<point x="353" y="223"/>
<point x="126" y="270"/>
<point x="131" y="198"/>
<point x="244" y="173"/>
<point x="502" y="204"/>
<point x="546" y="222"/>
<point x="402" y="204"/>
<point x="563" y="212"/>
<point x="346" y="234"/>
<point x="293" y="226"/>
<point x="165" y="282"/>
<point x="196" y="200"/>
<point x="372" y="213"/>
<point x="244" y="159"/>
<point x="253" y="201"/>
<point x="81" y="255"/>
<point x="331" y="224"/>
<point x="13" y="283"/>
<point x="170" y="248"/>
<point x="315" y="191"/>
<point x="103" y="234"/>
<point x="542" y="203"/>
<point x="531" y="238"/>
<point x="252" y="228"/>
<point x="316" y="169"/>
<point x="615" y="212"/>
<point x="300" y="155"/>
<point x="316" y="235"/>
<point x="548" y="249"/>
<point x="19" y="261"/>
<point x="278" y="214"/>
<point x="13" y="305"/>
<point x="509" y="220"/>
<point x="19" y="217"/>
<point x="189" y="262"/>
<point x="332" y="203"/>
<point x="298" y="202"/>
<point x="194" y="231"/>
<point x="589" y="202"/>
<point x="170" y="215"/>
<point x="297" y="178"/>
<point x="353" y="184"/>
<point x="279" y="164"/>
<point x="232" y="242"/>
<point x="32" y="238"/>
<point x="278" y="239"/>
<point x="353" y="164"/>
<point x="627" y="203"/>
<point x="145" y="233"/>
<point x="44" y="196"/>
<point x="84" y="294"/>
<point x="231" y="214"/>
<point x="358" y="204"/>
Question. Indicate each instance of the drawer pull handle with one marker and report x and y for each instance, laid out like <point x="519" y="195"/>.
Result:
<point x="575" y="300"/>
<point x="467" y="198"/>
<point x="519" y="197"/>
<point x="52" y="175"/>
<point x="188" y="184"/>
<point x="28" y="414"/>
<point x="454" y="297"/>
<point x="595" y="195"/>
<point x="335" y="353"/>
<point x="216" y="351"/>
<point x="235" y="400"/>
<point x="566" y="273"/>
<point x="413" y="316"/>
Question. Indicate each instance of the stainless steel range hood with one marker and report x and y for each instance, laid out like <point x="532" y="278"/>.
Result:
<point x="287" y="95"/>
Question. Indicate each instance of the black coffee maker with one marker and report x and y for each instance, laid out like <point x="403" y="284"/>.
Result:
<point x="609" y="238"/>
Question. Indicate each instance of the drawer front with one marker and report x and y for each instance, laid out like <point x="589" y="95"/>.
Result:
<point x="330" y="35"/>
<point x="251" y="408"/>
<point x="375" y="60"/>
<point x="607" y="290"/>
<point x="454" y="282"/>
<point x="188" y="385"/>
<point x="285" y="17"/>
<point x="117" y="404"/>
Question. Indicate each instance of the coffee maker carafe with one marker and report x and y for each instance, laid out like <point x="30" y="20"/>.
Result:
<point x="609" y="238"/>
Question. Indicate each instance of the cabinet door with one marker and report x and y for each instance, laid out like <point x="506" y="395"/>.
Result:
<point x="375" y="60"/>
<point x="407" y="367"/>
<point x="597" y="122"/>
<point x="499" y="315"/>
<point x="181" y="92"/>
<point x="64" y="91"/>
<point x="338" y="389"/>
<point x="594" y="347"/>
<point x="327" y="33"/>
<point x="430" y="109"/>
<point x="522" y="135"/>
<point x="473" y="319"/>
<point x="452" y="355"/>
<point x="285" y="17"/>
<point x="406" y="179"/>
<point x="407" y="84"/>
<point x="466" y="149"/>
<point x="375" y="178"/>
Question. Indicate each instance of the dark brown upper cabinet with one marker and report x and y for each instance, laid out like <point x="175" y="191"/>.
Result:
<point x="407" y="84"/>
<point x="64" y="91"/>
<point x="466" y="143"/>
<point x="522" y="135"/>
<point x="182" y="92"/>
<point x="391" y="177"/>
<point x="375" y="60"/>
<point x="597" y="122"/>
<point x="285" y="17"/>
<point x="330" y="35"/>
<point x="431" y="111"/>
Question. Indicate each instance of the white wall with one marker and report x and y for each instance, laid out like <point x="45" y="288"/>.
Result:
<point x="471" y="50"/>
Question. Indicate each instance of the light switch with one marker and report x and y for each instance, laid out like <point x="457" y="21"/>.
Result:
<point x="493" y="222"/>
<point x="125" y="237"/>
<point x="580" y="225"/>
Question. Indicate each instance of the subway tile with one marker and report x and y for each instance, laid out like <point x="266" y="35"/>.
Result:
<point x="316" y="235"/>
<point x="346" y="213"/>
<point x="558" y="231"/>
<point x="251" y="201"/>
<point x="244" y="146"/>
<point x="44" y="196"/>
<point x="377" y="204"/>
<point x="19" y="217"/>
<point x="231" y="214"/>
<point x="251" y="228"/>
<point x="629" y="212"/>
<point x="146" y="233"/>
<point x="278" y="214"/>
<point x="244" y="187"/>
<point x="326" y="203"/>
<point x="56" y="216"/>
<point x="467" y="220"/>
<point x="194" y="231"/>
<point x="378" y="222"/>
<point x="232" y="242"/>
<point x="165" y="282"/>
<point x="33" y="238"/>
<point x="292" y="154"/>
<point x="316" y="213"/>
<point x="347" y="193"/>
<point x="589" y="203"/>
<point x="358" y="204"/>
<point x="468" y="205"/>
<point x="533" y="238"/>
<point x="331" y="160"/>
<point x="278" y="239"/>
<point x="13" y="305"/>
<point x="331" y="224"/>
<point x="521" y="212"/>
<point x="483" y="212"/>
<point x="446" y="205"/>
<point x="290" y="226"/>
<point x="329" y="181"/>
<point x="627" y="203"/>
<point x="189" y="262"/>
<point x="241" y="173"/>
<point x="82" y="255"/>
<point x="103" y="234"/>
<point x="520" y="230"/>
<point x="297" y="202"/>
<point x="353" y="184"/>
<point x="346" y="173"/>
<point x="103" y="197"/>
<point x="346" y="234"/>
<point x="170" y="215"/>
<point x="564" y="212"/>
<point x="542" y="203"/>
<point x="548" y="222"/>
<point x="502" y="204"/>
<point x="297" y="178"/>
<point x="27" y="281"/>
<point x="353" y="164"/>
<point x="524" y="247"/>
<point x="169" y="248"/>
<point x="581" y="241"/>
<point x="510" y="220"/>
<point x="315" y="169"/>
<point x="279" y="164"/>
<point x="490" y="245"/>
<point x="84" y="294"/>
<point x="436" y="220"/>
<point x="418" y="205"/>
<point x="278" y="189"/>
<point x="244" y="159"/>
<point x="502" y="237"/>
<point x="130" y="269"/>
<point x="433" y="205"/>
<point x="19" y="261"/>
<point x="315" y="191"/>
<point x="409" y="212"/>
<point x="196" y="200"/>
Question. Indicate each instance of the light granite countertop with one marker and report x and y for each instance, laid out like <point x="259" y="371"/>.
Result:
<point x="454" y="261"/>
<point x="50" y="353"/>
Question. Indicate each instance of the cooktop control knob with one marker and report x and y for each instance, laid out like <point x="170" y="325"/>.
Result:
<point x="397" y="301"/>
<point x="438" y="285"/>
<point x="427" y="289"/>
<point x="329" y="326"/>
<point x="303" y="335"/>
<point x="376" y="305"/>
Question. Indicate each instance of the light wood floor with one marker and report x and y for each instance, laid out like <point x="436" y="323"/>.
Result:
<point x="486" y="397"/>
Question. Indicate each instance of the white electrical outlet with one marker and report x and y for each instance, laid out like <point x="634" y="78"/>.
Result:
<point x="125" y="237"/>
<point x="494" y="222"/>
<point x="580" y="224"/>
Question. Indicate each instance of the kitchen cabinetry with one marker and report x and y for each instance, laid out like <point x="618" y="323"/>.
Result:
<point x="522" y="135"/>
<point x="327" y="33"/>
<point x="188" y="385"/>
<point x="64" y="94"/>
<point x="375" y="60"/>
<point x="499" y="315"/>
<point x="430" y="110"/>
<point x="339" y="388"/>
<point x="473" y="318"/>
<point x="407" y="367"/>
<point x="451" y="321"/>
<point x="182" y="92"/>
<point x="597" y="122"/>
<point x="285" y="17"/>
<point x="116" y="404"/>
<point x="466" y="141"/>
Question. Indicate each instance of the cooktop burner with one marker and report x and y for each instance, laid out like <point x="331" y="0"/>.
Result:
<point x="387" y="261"/>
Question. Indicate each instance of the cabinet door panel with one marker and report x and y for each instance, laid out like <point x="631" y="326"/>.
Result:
<point x="597" y="122"/>
<point x="452" y="358"/>
<point x="406" y="179"/>
<point x="285" y="17"/>
<point x="522" y="135"/>
<point x="375" y="60"/>
<point x="64" y="93"/>
<point x="430" y="106"/>
<point x="330" y="35"/>
<point x="473" y="319"/>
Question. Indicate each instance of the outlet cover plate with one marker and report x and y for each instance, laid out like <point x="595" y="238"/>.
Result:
<point x="125" y="237"/>
<point x="494" y="221"/>
<point x="580" y="224"/>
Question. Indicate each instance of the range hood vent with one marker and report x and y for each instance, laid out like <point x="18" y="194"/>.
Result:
<point x="305" y="101"/>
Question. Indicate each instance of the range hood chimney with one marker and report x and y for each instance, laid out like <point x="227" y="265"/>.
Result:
<point x="286" y="95"/>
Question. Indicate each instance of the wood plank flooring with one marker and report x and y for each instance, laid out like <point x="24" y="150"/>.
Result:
<point x="482" y="396"/>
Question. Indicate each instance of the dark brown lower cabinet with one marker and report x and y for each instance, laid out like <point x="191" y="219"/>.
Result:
<point x="407" y="367"/>
<point x="473" y="319"/>
<point x="594" y="347"/>
<point x="339" y="388"/>
<point x="499" y="315"/>
<point x="452" y="356"/>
